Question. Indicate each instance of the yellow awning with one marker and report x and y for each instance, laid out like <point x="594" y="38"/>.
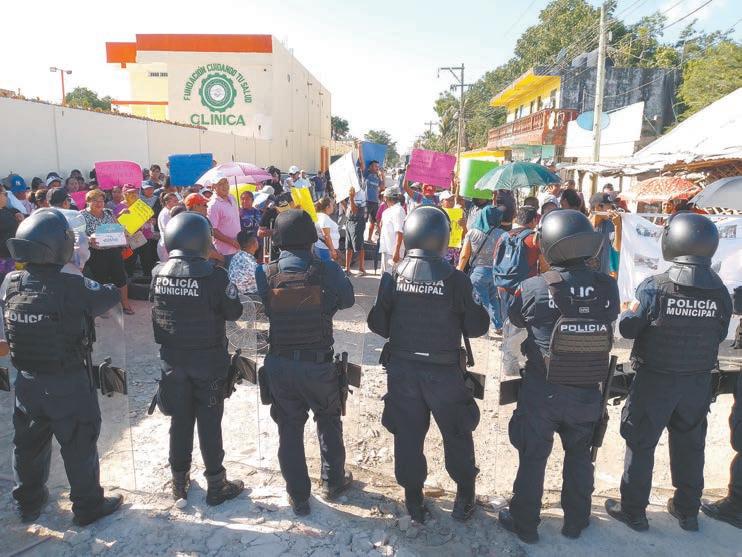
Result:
<point x="524" y="86"/>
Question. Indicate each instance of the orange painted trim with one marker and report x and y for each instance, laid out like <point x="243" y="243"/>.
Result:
<point x="121" y="53"/>
<point x="205" y="43"/>
<point x="148" y="103"/>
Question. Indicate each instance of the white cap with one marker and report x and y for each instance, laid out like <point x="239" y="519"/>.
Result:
<point x="267" y="190"/>
<point x="294" y="169"/>
<point x="445" y="195"/>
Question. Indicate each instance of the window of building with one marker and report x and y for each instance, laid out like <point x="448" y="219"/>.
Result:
<point x="530" y="108"/>
<point x="521" y="108"/>
<point x="539" y="103"/>
<point x="157" y="74"/>
<point x="552" y="98"/>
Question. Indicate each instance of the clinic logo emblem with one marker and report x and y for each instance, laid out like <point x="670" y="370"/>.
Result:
<point x="219" y="86"/>
<point x="217" y="92"/>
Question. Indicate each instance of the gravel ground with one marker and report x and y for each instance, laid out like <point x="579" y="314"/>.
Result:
<point x="368" y="520"/>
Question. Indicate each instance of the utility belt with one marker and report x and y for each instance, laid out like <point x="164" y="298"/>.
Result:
<point x="311" y="356"/>
<point x="448" y="357"/>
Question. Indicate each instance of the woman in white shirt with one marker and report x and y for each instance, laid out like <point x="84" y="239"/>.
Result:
<point x="327" y="231"/>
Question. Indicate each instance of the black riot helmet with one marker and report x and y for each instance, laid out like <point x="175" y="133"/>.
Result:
<point x="294" y="228"/>
<point x="567" y="235"/>
<point x="188" y="235"/>
<point x="44" y="238"/>
<point x="426" y="231"/>
<point x="689" y="241"/>
<point x="689" y="238"/>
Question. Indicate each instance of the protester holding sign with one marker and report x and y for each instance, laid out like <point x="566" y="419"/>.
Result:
<point x="105" y="265"/>
<point x="355" y="228"/>
<point x="372" y="182"/>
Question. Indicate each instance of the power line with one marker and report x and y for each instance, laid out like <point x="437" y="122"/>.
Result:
<point x="688" y="14"/>
<point x="518" y="20"/>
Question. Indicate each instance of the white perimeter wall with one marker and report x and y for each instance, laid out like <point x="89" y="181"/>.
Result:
<point x="39" y="138"/>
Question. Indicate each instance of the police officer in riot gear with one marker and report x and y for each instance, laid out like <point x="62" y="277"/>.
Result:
<point x="192" y="300"/>
<point x="564" y="310"/>
<point x="55" y="394"/>
<point x="423" y="309"/>
<point x="729" y="509"/>
<point x="301" y="294"/>
<point x="679" y="320"/>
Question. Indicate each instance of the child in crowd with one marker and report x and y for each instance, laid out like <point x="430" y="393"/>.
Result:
<point x="243" y="264"/>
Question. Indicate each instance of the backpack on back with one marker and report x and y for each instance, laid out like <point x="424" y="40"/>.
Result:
<point x="510" y="266"/>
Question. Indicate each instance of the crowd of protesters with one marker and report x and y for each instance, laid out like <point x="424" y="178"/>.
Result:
<point x="367" y="223"/>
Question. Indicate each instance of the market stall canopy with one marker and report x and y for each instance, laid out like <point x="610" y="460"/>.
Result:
<point x="517" y="175"/>
<point x="662" y="188"/>
<point x="710" y="134"/>
<point x="725" y="193"/>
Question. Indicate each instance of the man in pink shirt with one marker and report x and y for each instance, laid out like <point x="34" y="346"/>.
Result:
<point x="225" y="218"/>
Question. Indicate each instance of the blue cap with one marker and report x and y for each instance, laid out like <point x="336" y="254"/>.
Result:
<point x="17" y="183"/>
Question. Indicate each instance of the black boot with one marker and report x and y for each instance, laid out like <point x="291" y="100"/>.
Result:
<point x="181" y="484"/>
<point x="221" y="489"/>
<point x="463" y="506"/>
<point x="727" y="510"/>
<point x="300" y="508"/>
<point x="415" y="503"/>
<point x="331" y="490"/>
<point x="29" y="514"/>
<point x="508" y="522"/>
<point x="687" y="522"/>
<point x="109" y="505"/>
<point x="637" y="522"/>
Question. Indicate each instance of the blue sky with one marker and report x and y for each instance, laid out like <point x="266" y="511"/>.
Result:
<point x="378" y="59"/>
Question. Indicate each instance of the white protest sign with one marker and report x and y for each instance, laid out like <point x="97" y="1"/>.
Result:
<point x="343" y="176"/>
<point x="641" y="253"/>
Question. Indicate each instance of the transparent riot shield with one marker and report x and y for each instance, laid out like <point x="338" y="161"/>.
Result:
<point x="108" y="373"/>
<point x="241" y="424"/>
<point x="115" y="446"/>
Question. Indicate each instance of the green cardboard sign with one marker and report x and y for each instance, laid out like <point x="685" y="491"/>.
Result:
<point x="471" y="171"/>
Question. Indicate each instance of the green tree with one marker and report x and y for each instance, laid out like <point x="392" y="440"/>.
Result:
<point x="339" y="128"/>
<point x="710" y="76"/>
<point x="383" y="137"/>
<point x="82" y="97"/>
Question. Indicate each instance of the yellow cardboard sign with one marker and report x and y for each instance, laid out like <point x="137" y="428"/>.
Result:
<point x="303" y="198"/>
<point x="455" y="215"/>
<point x="139" y="213"/>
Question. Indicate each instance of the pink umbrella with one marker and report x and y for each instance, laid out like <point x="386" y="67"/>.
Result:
<point x="236" y="172"/>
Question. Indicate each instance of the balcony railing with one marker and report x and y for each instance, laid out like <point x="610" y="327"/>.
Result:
<point x="545" y="127"/>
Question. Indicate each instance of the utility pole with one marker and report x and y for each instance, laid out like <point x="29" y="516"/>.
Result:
<point x="61" y="73"/>
<point x="599" y="87"/>
<point x="461" y="84"/>
<point x="430" y="126"/>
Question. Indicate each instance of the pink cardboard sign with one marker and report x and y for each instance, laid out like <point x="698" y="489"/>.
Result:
<point x="431" y="167"/>
<point x="79" y="198"/>
<point x="117" y="173"/>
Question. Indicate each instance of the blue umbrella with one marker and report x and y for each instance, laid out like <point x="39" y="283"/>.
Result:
<point x="516" y="175"/>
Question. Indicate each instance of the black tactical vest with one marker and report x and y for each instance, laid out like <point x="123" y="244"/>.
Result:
<point x="295" y="302"/>
<point x="423" y="318"/>
<point x="44" y="328"/>
<point x="581" y="341"/>
<point x="683" y="336"/>
<point x="182" y="315"/>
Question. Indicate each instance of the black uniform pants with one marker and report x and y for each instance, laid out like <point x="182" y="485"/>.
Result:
<point x="735" y="423"/>
<point x="414" y="391"/>
<point x="64" y="406"/>
<point x="544" y="409"/>
<point x="191" y="397"/>
<point x="679" y="403"/>
<point x="296" y="387"/>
